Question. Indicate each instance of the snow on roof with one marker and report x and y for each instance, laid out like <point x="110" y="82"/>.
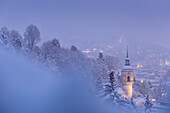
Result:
<point x="118" y="72"/>
<point x="144" y="79"/>
<point x="168" y="83"/>
<point x="155" y="85"/>
<point x="150" y="74"/>
<point x="127" y="58"/>
<point x="127" y="68"/>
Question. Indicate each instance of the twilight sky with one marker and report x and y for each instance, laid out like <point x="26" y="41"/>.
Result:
<point x="82" y="20"/>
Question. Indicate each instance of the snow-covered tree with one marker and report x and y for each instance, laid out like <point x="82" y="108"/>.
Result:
<point x="73" y="48"/>
<point x="55" y="42"/>
<point x="52" y="53"/>
<point x="15" y="39"/>
<point x="110" y="92"/>
<point x="73" y="61"/>
<point x="112" y="81"/>
<point x="32" y="36"/>
<point x="112" y="62"/>
<point x="143" y="88"/>
<point x="110" y="88"/>
<point x="99" y="69"/>
<point x="4" y="34"/>
<point x="50" y="47"/>
<point x="99" y="86"/>
<point x="161" y="90"/>
<point x="133" y="104"/>
<point x="64" y="60"/>
<point x="148" y="105"/>
<point x="100" y="56"/>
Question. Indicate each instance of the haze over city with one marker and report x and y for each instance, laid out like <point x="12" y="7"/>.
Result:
<point x="98" y="21"/>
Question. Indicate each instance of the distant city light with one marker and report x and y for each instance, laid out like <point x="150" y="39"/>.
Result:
<point x="167" y="63"/>
<point x="94" y="49"/>
<point x="138" y="66"/>
<point x="86" y="51"/>
<point x="153" y="100"/>
<point x="141" y="81"/>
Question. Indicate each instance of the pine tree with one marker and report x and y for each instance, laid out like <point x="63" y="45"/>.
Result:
<point x="73" y="48"/>
<point x="112" y="81"/>
<point x="100" y="56"/>
<point x="99" y="84"/>
<point x="99" y="87"/>
<point x="148" y="105"/>
<point x="110" y="89"/>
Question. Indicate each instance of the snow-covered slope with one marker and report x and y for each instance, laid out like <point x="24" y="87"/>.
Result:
<point x="25" y="88"/>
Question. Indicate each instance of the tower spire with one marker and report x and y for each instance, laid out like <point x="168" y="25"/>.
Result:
<point x="127" y="60"/>
<point x="127" y="52"/>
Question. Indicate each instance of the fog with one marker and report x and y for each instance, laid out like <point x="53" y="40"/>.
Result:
<point x="26" y="88"/>
<point x="99" y="21"/>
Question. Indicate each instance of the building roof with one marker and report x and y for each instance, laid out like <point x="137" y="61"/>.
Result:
<point x="127" y="68"/>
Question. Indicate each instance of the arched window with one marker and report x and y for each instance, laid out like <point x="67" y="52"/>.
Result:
<point x="128" y="78"/>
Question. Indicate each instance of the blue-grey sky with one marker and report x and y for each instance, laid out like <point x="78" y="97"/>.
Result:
<point x="82" y="20"/>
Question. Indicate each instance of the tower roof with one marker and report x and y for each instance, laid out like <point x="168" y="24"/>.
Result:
<point x="127" y="62"/>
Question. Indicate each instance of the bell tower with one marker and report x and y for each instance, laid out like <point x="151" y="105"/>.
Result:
<point x="127" y="77"/>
